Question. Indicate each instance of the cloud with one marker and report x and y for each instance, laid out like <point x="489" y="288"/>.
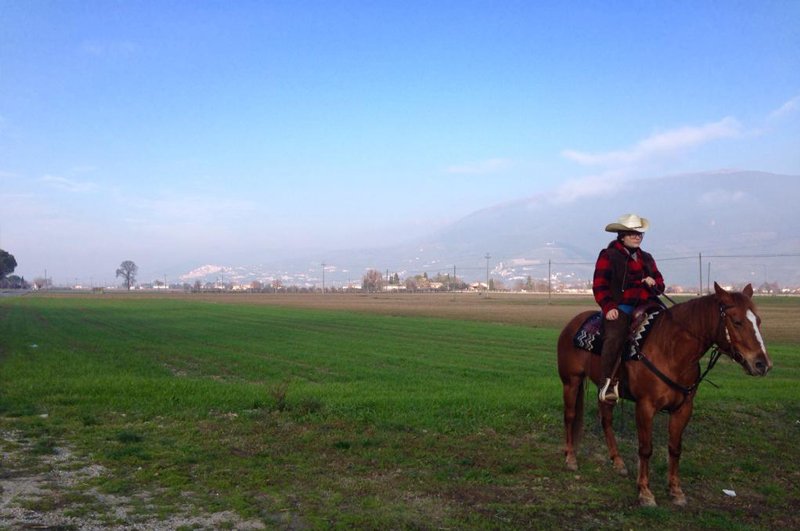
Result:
<point x="67" y="184"/>
<point x="722" y="196"/>
<point x="660" y="145"/>
<point x="591" y="185"/>
<point x="789" y="107"/>
<point x="480" y="168"/>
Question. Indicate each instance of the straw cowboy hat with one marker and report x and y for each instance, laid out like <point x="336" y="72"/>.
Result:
<point x="629" y="222"/>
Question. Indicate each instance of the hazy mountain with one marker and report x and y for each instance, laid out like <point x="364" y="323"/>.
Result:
<point x="716" y="213"/>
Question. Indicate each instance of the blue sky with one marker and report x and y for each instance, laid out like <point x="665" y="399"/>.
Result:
<point x="176" y="133"/>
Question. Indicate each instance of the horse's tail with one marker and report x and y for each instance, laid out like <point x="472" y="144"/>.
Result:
<point x="577" y="425"/>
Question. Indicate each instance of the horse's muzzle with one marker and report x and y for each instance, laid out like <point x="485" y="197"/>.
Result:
<point x="760" y="366"/>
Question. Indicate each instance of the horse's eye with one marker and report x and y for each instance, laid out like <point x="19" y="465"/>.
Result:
<point x="737" y="323"/>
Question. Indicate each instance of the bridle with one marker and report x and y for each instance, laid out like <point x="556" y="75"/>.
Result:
<point x="735" y="355"/>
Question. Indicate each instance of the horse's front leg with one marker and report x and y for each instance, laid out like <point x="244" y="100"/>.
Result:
<point x="606" y="419"/>
<point x="645" y="411"/>
<point x="677" y="423"/>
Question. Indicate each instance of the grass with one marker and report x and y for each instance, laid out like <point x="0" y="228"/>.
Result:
<point x="333" y="419"/>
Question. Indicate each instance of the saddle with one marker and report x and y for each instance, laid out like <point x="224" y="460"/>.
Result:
<point x="590" y="334"/>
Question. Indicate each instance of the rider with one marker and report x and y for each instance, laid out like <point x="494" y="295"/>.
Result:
<point x="624" y="276"/>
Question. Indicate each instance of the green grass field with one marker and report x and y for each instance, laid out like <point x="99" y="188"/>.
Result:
<point x="320" y="419"/>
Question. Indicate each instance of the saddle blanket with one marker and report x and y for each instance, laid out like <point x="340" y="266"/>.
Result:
<point x="590" y="336"/>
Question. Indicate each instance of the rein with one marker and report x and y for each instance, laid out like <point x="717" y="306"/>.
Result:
<point x="716" y="354"/>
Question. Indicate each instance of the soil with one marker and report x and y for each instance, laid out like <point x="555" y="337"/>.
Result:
<point x="39" y="493"/>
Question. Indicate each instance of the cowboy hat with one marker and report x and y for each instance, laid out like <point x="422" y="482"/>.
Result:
<point x="629" y="222"/>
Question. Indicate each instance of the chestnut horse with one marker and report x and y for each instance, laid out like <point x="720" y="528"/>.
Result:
<point x="679" y="338"/>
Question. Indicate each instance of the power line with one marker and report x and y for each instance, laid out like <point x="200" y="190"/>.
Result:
<point x="752" y="255"/>
<point x="694" y="257"/>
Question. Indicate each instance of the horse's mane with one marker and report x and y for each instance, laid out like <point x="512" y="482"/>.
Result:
<point x="697" y="316"/>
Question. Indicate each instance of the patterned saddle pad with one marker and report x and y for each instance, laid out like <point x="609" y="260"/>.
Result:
<point x="590" y="335"/>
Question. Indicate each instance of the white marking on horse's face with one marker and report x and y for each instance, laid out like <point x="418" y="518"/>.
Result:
<point x="752" y="317"/>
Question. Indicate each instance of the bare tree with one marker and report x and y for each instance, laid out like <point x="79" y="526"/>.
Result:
<point x="411" y="284"/>
<point x="256" y="285"/>
<point x="372" y="281"/>
<point x="127" y="270"/>
<point x="40" y="283"/>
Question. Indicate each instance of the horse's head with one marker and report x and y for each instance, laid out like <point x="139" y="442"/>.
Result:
<point x="741" y="322"/>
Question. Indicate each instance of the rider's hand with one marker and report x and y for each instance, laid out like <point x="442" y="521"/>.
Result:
<point x="649" y="281"/>
<point x="612" y="315"/>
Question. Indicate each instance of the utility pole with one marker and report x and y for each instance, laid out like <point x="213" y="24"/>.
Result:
<point x="487" y="272"/>
<point x="323" y="278"/>
<point x="549" y="282"/>
<point x="166" y="288"/>
<point x="700" y="258"/>
<point x="45" y="278"/>
<point x="453" y="283"/>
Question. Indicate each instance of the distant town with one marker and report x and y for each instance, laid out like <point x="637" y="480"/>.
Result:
<point x="372" y="282"/>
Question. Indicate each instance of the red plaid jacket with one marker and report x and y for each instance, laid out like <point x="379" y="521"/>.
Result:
<point x="618" y="277"/>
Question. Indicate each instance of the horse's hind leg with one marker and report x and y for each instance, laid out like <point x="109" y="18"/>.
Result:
<point x="573" y="414"/>
<point x="606" y="418"/>
<point x="677" y="422"/>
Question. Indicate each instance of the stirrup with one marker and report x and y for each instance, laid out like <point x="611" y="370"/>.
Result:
<point x="609" y="393"/>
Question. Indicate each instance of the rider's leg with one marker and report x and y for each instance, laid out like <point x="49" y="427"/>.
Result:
<point x="615" y="335"/>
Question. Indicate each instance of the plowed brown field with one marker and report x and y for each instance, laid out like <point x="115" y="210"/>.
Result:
<point x="780" y="315"/>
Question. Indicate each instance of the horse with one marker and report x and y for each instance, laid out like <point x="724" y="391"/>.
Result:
<point x="679" y="338"/>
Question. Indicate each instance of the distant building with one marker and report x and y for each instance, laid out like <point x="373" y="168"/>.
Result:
<point x="393" y="287"/>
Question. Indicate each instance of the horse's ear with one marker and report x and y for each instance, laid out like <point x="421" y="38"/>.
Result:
<point x="722" y="295"/>
<point x="748" y="291"/>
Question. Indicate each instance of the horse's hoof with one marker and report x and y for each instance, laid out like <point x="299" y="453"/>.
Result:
<point x="647" y="501"/>
<point x="619" y="466"/>
<point x="679" y="500"/>
<point x="572" y="465"/>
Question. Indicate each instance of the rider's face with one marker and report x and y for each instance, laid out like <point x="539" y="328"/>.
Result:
<point x="632" y="239"/>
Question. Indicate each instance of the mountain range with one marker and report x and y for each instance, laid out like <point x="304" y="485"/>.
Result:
<point x="742" y="222"/>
